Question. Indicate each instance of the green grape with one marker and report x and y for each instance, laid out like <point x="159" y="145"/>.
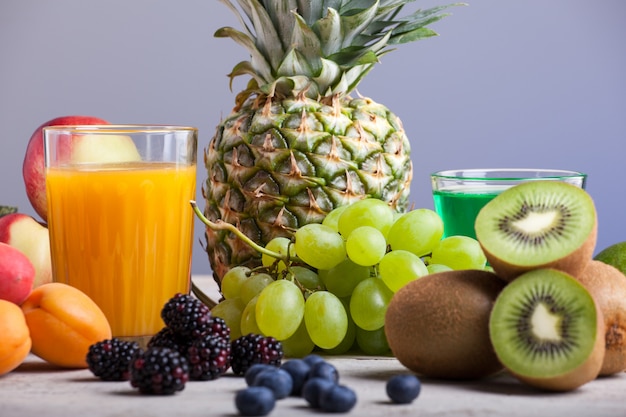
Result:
<point x="232" y="280"/>
<point x="459" y="252"/>
<point x="366" y="246"/>
<point x="332" y="218"/>
<point x="319" y="246"/>
<point x="417" y="231"/>
<point x="248" y="318"/>
<point x="230" y="310"/>
<point x="399" y="267"/>
<point x="366" y="212"/>
<point x="326" y="319"/>
<point x="279" y="309"/>
<point x="299" y="344"/>
<point x="349" y="339"/>
<point x="308" y="278"/>
<point x="369" y="302"/>
<point x="372" y="342"/>
<point x="253" y="286"/>
<point x="342" y="279"/>
<point x="281" y="245"/>
<point x="434" y="268"/>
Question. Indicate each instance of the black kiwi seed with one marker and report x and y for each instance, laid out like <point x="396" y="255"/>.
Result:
<point x="505" y="224"/>
<point x="533" y="345"/>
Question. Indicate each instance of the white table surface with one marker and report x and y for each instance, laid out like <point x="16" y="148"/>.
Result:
<point x="37" y="388"/>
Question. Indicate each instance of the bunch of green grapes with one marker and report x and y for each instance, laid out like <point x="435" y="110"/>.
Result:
<point x="329" y="287"/>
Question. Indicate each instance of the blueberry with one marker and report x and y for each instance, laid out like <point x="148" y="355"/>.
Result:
<point x="324" y="370"/>
<point x="313" y="388"/>
<point x="254" y="370"/>
<point x="278" y="380"/>
<point x="337" y="399"/>
<point x="312" y="359"/>
<point x="255" y="401"/>
<point x="403" y="389"/>
<point x="299" y="371"/>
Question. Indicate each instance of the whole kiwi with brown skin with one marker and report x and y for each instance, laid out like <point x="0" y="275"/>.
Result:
<point x="438" y="325"/>
<point x="607" y="285"/>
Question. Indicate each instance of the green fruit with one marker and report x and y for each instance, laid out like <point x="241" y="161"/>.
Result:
<point x="297" y="144"/>
<point x="614" y="255"/>
<point x="7" y="210"/>
<point x="538" y="224"/>
<point x="548" y="331"/>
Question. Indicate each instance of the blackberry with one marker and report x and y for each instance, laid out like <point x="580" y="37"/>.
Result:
<point x="254" y="348"/>
<point x="166" y="337"/>
<point x="187" y="316"/>
<point x="159" y="371"/>
<point x="110" y="359"/>
<point x="219" y="327"/>
<point x="208" y="357"/>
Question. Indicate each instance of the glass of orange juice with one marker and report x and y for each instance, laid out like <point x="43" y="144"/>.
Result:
<point x="119" y="216"/>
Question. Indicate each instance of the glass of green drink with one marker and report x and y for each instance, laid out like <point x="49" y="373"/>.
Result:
<point x="460" y="194"/>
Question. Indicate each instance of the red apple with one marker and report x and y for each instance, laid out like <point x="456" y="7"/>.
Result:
<point x="31" y="238"/>
<point x="16" y="274"/>
<point x="33" y="169"/>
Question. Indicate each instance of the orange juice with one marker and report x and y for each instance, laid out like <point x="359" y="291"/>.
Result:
<point x="123" y="235"/>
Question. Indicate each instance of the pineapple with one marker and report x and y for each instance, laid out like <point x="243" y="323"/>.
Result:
<point x="297" y="144"/>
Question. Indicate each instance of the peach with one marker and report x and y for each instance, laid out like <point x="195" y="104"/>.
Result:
<point x="25" y="233"/>
<point x="103" y="149"/>
<point x="63" y="323"/>
<point x="14" y="337"/>
<point x="33" y="169"/>
<point x="17" y="274"/>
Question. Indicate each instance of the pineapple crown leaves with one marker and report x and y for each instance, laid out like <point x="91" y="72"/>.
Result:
<point x="319" y="47"/>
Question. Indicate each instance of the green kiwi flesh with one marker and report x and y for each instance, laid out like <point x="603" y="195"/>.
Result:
<point x="547" y="330"/>
<point x="438" y="325"/>
<point x="538" y="224"/>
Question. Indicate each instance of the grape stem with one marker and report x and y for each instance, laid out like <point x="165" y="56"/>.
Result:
<point x="221" y="225"/>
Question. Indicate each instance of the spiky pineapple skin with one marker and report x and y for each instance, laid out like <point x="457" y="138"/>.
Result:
<point x="274" y="166"/>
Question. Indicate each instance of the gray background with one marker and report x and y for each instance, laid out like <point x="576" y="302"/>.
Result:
<point x="509" y="83"/>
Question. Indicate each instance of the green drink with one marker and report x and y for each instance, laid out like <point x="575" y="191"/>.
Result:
<point x="460" y="194"/>
<point x="458" y="209"/>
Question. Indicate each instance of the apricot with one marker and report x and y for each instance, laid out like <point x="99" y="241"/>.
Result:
<point x="15" y="340"/>
<point x="63" y="323"/>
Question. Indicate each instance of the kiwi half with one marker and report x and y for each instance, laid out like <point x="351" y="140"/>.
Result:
<point x="547" y="330"/>
<point x="538" y="224"/>
<point x="438" y="325"/>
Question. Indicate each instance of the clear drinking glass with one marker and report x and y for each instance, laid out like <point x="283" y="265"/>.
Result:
<point x="120" y="220"/>
<point x="460" y="194"/>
